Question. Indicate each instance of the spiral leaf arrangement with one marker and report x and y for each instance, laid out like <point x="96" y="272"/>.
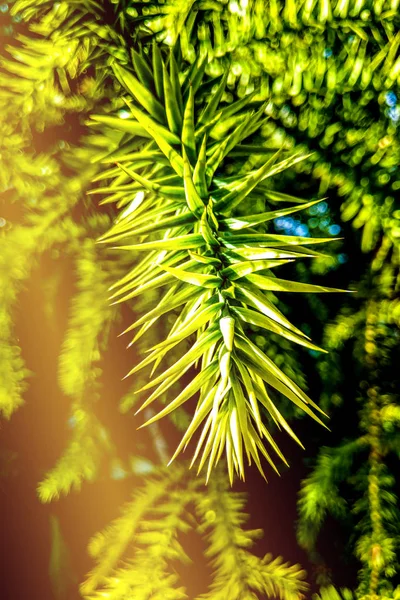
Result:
<point x="214" y="263"/>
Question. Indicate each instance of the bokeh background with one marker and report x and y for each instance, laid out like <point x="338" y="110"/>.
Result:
<point x="44" y="546"/>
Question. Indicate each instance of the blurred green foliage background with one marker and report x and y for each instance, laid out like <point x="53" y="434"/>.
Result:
<point x="328" y="74"/>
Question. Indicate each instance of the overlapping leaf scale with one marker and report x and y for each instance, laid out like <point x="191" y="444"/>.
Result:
<point x="214" y="264"/>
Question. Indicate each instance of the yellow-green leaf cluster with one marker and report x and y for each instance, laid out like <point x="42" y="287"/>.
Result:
<point x="180" y="206"/>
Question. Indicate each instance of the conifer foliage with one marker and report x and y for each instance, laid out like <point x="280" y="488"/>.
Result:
<point x="211" y="135"/>
<point x="216" y="266"/>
